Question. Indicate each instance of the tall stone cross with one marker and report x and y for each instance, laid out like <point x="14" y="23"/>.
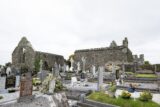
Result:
<point x="100" y="77"/>
<point x="40" y="69"/>
<point x="84" y="63"/>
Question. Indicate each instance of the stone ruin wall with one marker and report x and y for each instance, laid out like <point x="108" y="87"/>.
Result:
<point x="50" y="59"/>
<point x="100" y="56"/>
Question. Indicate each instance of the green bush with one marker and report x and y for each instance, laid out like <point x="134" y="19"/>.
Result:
<point x="112" y="88"/>
<point x="59" y="86"/>
<point x="1" y="97"/>
<point x="125" y="95"/>
<point x="145" y="96"/>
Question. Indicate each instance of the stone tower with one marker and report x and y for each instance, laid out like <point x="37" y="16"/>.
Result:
<point x="125" y="42"/>
<point x="23" y="55"/>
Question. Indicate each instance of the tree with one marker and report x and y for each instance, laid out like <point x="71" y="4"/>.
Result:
<point x="37" y="65"/>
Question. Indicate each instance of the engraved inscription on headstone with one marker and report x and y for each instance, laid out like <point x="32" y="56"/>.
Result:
<point x="10" y="82"/>
<point x="26" y="86"/>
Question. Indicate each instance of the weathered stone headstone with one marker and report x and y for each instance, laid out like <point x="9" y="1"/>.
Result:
<point x="84" y="63"/>
<point x="10" y="82"/>
<point x="52" y="86"/>
<point x="26" y="85"/>
<point x="17" y="81"/>
<point x="73" y="81"/>
<point x="93" y="71"/>
<point x="42" y="75"/>
<point x="40" y="69"/>
<point x="2" y="84"/>
<point x="72" y="64"/>
<point x="8" y="71"/>
<point x="100" y="77"/>
<point x="67" y="68"/>
<point x="78" y="66"/>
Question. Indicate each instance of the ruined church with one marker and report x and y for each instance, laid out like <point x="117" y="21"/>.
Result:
<point x="113" y="53"/>
<point x="25" y="55"/>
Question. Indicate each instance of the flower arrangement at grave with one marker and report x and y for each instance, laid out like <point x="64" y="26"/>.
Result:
<point x="145" y="96"/>
<point x="125" y="95"/>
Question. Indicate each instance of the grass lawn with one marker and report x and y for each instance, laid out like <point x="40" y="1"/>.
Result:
<point x="104" y="98"/>
<point x="146" y="76"/>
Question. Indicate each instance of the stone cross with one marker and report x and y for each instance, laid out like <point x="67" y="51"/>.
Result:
<point x="113" y="68"/>
<point x="72" y="64"/>
<point x="78" y="66"/>
<point x="40" y="69"/>
<point x="100" y="77"/>
<point x="93" y="70"/>
<point x="56" y="69"/>
<point x="84" y="63"/>
<point x="155" y="68"/>
<point x="8" y="71"/>
<point x="64" y="68"/>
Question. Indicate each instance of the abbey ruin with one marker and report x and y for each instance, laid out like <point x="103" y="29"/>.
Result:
<point x="101" y="56"/>
<point x="25" y="55"/>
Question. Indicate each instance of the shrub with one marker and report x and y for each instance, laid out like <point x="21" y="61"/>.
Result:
<point x="1" y="97"/>
<point x="125" y="95"/>
<point x="112" y="88"/>
<point x="89" y="92"/>
<point x="145" y="96"/>
<point x="59" y="86"/>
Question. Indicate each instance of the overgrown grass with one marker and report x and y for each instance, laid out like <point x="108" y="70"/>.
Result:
<point x="146" y="76"/>
<point x="104" y="98"/>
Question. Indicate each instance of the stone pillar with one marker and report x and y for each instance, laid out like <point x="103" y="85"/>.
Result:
<point x="155" y="68"/>
<point x="100" y="77"/>
<point x="40" y="69"/>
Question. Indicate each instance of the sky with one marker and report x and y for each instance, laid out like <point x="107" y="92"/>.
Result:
<point x="63" y="26"/>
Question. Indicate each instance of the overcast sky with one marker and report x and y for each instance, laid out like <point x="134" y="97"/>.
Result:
<point x="62" y="26"/>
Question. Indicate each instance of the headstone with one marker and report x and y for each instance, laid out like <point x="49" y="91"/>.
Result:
<point x="82" y="75"/>
<point x="26" y="85"/>
<point x="56" y="69"/>
<point x="64" y="68"/>
<point x="52" y="86"/>
<point x="17" y="81"/>
<point x="100" y="77"/>
<point x="8" y="71"/>
<point x="10" y="82"/>
<point x="42" y="75"/>
<point x="72" y="64"/>
<point x="93" y="71"/>
<point x="78" y="67"/>
<point x="2" y="84"/>
<point x="84" y="63"/>
<point x="67" y="68"/>
<point x="40" y="70"/>
<point x="73" y="81"/>
<point x="155" y="68"/>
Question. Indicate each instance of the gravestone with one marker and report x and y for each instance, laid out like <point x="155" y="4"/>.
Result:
<point x="72" y="64"/>
<point x="73" y="81"/>
<point x="84" y="63"/>
<point x="100" y="77"/>
<point x="2" y="84"/>
<point x="42" y="75"/>
<point x="8" y="71"/>
<point x="93" y="71"/>
<point x="52" y="86"/>
<point x="26" y="88"/>
<point x="10" y="82"/>
<point x="17" y="81"/>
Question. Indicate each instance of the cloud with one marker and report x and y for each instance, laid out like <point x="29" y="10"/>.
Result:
<point x="61" y="27"/>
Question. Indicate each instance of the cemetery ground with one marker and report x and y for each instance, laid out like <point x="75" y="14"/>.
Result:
<point x="122" y="102"/>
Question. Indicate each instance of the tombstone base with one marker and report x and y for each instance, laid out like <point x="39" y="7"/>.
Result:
<point x="26" y="99"/>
